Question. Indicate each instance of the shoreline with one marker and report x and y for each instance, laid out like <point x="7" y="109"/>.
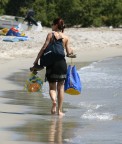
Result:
<point x="91" y="45"/>
<point x="30" y="113"/>
<point x="9" y="79"/>
<point x="23" y="118"/>
<point x="12" y="95"/>
<point x="17" y="65"/>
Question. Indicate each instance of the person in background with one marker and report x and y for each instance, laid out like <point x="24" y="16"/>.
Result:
<point x="56" y="73"/>
<point x="30" y="18"/>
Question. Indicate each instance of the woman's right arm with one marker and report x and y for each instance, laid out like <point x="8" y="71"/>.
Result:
<point x="68" y="49"/>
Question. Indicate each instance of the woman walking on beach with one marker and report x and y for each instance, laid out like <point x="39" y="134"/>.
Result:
<point x="56" y="73"/>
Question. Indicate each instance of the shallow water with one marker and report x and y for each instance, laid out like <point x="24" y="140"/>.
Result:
<point x="100" y="102"/>
<point x="94" y="117"/>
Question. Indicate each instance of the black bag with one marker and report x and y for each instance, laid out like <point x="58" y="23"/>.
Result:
<point x="53" y="52"/>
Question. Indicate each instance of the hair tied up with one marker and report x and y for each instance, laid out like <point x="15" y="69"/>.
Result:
<point x="60" y="23"/>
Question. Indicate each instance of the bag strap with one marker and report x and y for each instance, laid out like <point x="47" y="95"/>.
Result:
<point x="53" y="38"/>
<point x="71" y="62"/>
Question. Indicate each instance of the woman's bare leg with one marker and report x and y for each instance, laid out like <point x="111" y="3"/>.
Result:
<point x="60" y="89"/>
<point x="53" y="94"/>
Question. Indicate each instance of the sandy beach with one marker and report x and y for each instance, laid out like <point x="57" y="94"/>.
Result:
<point x="90" y="45"/>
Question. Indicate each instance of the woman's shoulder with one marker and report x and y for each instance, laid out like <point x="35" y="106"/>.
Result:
<point x="49" y="35"/>
<point x="65" y="37"/>
<point x="58" y="35"/>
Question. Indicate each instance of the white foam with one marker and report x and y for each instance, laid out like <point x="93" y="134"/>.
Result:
<point x="97" y="116"/>
<point x="88" y="105"/>
<point x="91" y="66"/>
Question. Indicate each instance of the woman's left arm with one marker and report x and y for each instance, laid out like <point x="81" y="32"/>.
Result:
<point x="47" y="41"/>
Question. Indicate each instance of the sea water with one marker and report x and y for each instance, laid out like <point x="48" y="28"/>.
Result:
<point x="93" y="117"/>
<point x="99" y="112"/>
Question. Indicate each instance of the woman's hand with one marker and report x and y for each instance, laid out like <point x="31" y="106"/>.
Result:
<point x="71" y="55"/>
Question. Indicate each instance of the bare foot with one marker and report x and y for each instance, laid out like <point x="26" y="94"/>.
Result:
<point x="61" y="114"/>
<point x="53" y="110"/>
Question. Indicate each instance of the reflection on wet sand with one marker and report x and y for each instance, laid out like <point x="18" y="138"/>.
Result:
<point x="55" y="131"/>
<point x="52" y="129"/>
<point x="36" y="123"/>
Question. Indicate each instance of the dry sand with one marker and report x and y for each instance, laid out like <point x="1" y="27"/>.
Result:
<point x="90" y="44"/>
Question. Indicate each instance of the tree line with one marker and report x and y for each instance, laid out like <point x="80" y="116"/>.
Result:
<point x="82" y="13"/>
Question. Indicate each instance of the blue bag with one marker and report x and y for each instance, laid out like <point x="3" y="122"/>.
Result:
<point x="72" y="83"/>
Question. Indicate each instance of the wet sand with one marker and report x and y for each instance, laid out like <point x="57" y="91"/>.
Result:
<point x="26" y="116"/>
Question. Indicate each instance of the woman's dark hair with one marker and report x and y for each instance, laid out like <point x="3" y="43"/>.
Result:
<point x="60" y="23"/>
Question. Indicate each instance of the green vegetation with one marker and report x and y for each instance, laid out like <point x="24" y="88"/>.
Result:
<point x="83" y="13"/>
